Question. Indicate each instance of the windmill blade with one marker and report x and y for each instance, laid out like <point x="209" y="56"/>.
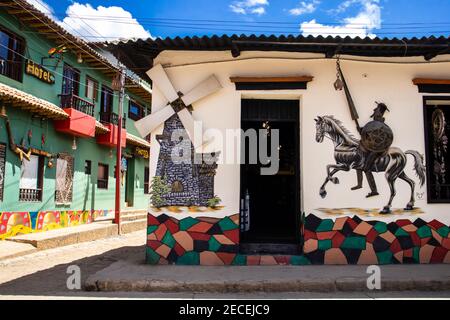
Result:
<point x="188" y="122"/>
<point x="203" y="89"/>
<point x="153" y="121"/>
<point x="161" y="80"/>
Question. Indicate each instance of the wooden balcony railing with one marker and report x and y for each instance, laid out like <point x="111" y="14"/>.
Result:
<point x="31" y="195"/>
<point x="75" y="102"/>
<point x="112" y="118"/>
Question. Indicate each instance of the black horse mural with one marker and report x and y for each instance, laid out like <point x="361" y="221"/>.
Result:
<point x="349" y="154"/>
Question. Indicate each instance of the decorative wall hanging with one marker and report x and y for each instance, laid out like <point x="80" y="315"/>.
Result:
<point x="197" y="180"/>
<point x="440" y="144"/>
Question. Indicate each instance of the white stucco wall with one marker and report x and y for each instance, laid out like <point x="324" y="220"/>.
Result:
<point x="390" y="83"/>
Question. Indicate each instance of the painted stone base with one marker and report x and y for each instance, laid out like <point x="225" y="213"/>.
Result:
<point x="13" y="223"/>
<point x="215" y="241"/>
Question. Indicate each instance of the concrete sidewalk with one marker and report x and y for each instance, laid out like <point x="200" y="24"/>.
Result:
<point x="133" y="275"/>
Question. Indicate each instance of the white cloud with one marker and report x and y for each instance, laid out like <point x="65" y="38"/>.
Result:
<point x="305" y="7"/>
<point x="43" y="7"/>
<point x="363" y="24"/>
<point x="89" y="23"/>
<point x="249" y="6"/>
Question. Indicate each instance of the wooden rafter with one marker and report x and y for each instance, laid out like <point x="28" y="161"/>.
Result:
<point x="271" y="79"/>
<point x="418" y="81"/>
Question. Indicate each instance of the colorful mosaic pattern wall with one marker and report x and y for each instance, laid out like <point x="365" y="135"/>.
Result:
<point x="213" y="241"/>
<point x="13" y="223"/>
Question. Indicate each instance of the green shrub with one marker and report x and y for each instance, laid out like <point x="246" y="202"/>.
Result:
<point x="213" y="202"/>
<point x="159" y="188"/>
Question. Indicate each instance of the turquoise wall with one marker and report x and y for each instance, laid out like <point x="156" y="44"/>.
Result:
<point x="85" y="194"/>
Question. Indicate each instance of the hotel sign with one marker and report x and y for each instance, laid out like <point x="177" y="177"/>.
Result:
<point x="39" y="72"/>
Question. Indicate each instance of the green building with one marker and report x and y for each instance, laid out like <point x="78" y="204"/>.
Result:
<point x="58" y="127"/>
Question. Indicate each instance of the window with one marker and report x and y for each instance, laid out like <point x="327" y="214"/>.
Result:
<point x="2" y="169"/>
<point x="91" y="88"/>
<point x="106" y="105"/>
<point x="11" y="51"/>
<point x="146" y="179"/>
<point x="102" y="176"/>
<point x="31" y="179"/>
<point x="71" y="80"/>
<point x="135" y="110"/>
<point x="437" y="132"/>
<point x="64" y="179"/>
<point x="88" y="167"/>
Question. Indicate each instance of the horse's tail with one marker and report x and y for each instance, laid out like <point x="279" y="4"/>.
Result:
<point x="419" y="167"/>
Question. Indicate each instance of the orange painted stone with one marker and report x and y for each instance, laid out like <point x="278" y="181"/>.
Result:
<point x="327" y="235"/>
<point x="446" y="243"/>
<point x="184" y="240"/>
<point x="227" y="258"/>
<point x="268" y="261"/>
<point x="388" y="236"/>
<point x="425" y="253"/>
<point x="335" y="256"/>
<point x="408" y="253"/>
<point x="363" y="228"/>
<point x="447" y="258"/>
<point x="160" y="232"/>
<point x="253" y="260"/>
<point x="235" y="218"/>
<point x="339" y="223"/>
<point x="399" y="256"/>
<point x="202" y="227"/>
<point x="310" y="245"/>
<point x="222" y="239"/>
<point x="209" y="258"/>
<point x="163" y="250"/>
<point x="368" y="256"/>
<point x="337" y="240"/>
<point x="437" y="236"/>
<point x="233" y="235"/>
<point x="410" y="228"/>
<point x="151" y="236"/>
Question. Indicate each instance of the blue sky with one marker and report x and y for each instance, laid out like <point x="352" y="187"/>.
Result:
<point x="161" y="18"/>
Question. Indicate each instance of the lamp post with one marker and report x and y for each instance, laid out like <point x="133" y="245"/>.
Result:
<point x="119" y="85"/>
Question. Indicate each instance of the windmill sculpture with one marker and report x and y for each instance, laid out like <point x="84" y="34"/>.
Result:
<point x="190" y="183"/>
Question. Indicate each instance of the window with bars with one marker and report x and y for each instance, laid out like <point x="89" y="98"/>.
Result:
<point x="11" y="52"/>
<point x="102" y="176"/>
<point x="91" y="89"/>
<point x="135" y="110"/>
<point x="437" y="132"/>
<point x="31" y="179"/>
<point x="2" y="169"/>
<point x="64" y="179"/>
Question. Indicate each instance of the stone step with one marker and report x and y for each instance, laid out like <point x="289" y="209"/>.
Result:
<point x="133" y="217"/>
<point x="10" y="249"/>
<point x="126" y="212"/>
<point x="67" y="236"/>
<point x="131" y="226"/>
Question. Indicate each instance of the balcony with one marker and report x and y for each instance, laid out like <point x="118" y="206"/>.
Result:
<point x="81" y="121"/>
<point x="30" y="195"/>
<point x="110" y="121"/>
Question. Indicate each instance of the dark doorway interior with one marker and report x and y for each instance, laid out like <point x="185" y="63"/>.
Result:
<point x="274" y="199"/>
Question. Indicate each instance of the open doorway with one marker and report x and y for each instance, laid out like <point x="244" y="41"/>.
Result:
<point x="272" y="221"/>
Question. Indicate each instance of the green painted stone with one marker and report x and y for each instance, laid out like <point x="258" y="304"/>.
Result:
<point x="381" y="227"/>
<point x="299" y="260"/>
<point x="151" y="256"/>
<point x="240" y="260"/>
<point x="400" y="232"/>
<point x="384" y="257"/>
<point x="189" y="258"/>
<point x="151" y="229"/>
<point x="227" y="224"/>
<point x="444" y="231"/>
<point x="325" y="244"/>
<point x="354" y="243"/>
<point x="415" y="254"/>
<point x="214" y="245"/>
<point x="424" y="231"/>
<point x="168" y="239"/>
<point x="325" y="225"/>
<point x="188" y="222"/>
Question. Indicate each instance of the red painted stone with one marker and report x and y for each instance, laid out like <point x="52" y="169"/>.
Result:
<point x="282" y="260"/>
<point x="337" y="240"/>
<point x="233" y="235"/>
<point x="227" y="258"/>
<point x="172" y="226"/>
<point x="408" y="253"/>
<point x="435" y="224"/>
<point x="160" y="232"/>
<point x="253" y="260"/>
<point x="372" y="235"/>
<point x="446" y="243"/>
<point x="310" y="235"/>
<point x="152" y="221"/>
<point x="179" y="249"/>
<point x="438" y="255"/>
<point x="202" y="227"/>
<point x="395" y="246"/>
<point x="325" y="235"/>
<point x="200" y="236"/>
<point x="424" y="241"/>
<point x="352" y="223"/>
<point x="402" y="222"/>
<point x="153" y="244"/>
<point x="415" y="239"/>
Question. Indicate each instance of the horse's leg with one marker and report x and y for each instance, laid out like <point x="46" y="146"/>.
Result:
<point x="412" y="184"/>
<point x="330" y="174"/>
<point x="359" y="177"/>
<point x="391" y="182"/>
<point x="337" y="168"/>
